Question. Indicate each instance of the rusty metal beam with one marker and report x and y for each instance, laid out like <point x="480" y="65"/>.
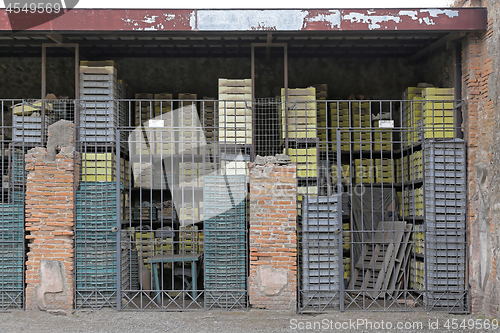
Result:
<point x="147" y="20"/>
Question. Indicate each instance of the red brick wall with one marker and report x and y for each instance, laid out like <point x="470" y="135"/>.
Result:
<point x="273" y="240"/>
<point x="50" y="221"/>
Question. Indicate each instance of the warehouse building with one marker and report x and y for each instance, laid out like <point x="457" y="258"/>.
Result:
<point x="304" y="160"/>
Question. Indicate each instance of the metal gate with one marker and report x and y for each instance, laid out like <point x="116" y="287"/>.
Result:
<point x="162" y="204"/>
<point x="382" y="203"/>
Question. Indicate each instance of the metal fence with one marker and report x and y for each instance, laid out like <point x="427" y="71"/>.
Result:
<point x="161" y="199"/>
<point x="162" y="205"/>
<point x="382" y="204"/>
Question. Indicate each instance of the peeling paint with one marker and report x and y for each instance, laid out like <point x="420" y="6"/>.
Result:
<point x="411" y="13"/>
<point x="333" y="18"/>
<point x="192" y="21"/>
<point x="169" y="17"/>
<point x="455" y="19"/>
<point x="428" y="21"/>
<point x="149" y="19"/>
<point x="244" y="20"/>
<point x="435" y="12"/>
<point x="374" y="22"/>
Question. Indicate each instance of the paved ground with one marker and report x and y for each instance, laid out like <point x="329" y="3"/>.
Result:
<point x="240" y="321"/>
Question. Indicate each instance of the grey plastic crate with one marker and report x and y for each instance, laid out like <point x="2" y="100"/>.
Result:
<point x="320" y="265"/>
<point x="332" y="222"/>
<point x="445" y="195"/>
<point x="319" y="236"/>
<point x="311" y="228"/>
<point x="330" y="252"/>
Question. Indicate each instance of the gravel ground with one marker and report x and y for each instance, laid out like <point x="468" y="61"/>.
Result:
<point x="239" y="321"/>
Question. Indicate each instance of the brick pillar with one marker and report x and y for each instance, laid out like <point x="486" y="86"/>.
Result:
<point x="50" y="221"/>
<point x="273" y="240"/>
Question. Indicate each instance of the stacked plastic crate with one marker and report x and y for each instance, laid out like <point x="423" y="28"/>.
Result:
<point x="361" y="118"/>
<point x="208" y="117"/>
<point x="96" y="266"/>
<point x="412" y="113"/>
<point x="301" y="117"/>
<point x="306" y="160"/>
<point x="235" y="111"/>
<point x="129" y="263"/>
<point x="144" y="108"/>
<point x="339" y="118"/>
<point x="382" y="137"/>
<point x="27" y="127"/>
<point x="12" y="246"/>
<point x="99" y="92"/>
<point x="225" y="240"/>
<point x="320" y="253"/>
<point x="438" y="113"/>
<point x="445" y="208"/>
<point x="322" y="121"/>
<point x="162" y="103"/>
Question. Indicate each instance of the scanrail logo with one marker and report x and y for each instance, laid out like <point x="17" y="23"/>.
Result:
<point x="24" y="15"/>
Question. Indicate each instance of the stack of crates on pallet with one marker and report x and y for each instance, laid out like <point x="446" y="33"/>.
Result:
<point x="28" y="127"/>
<point x="191" y="139"/>
<point x="438" y="113"/>
<point x="416" y="202"/>
<point x="145" y="212"/>
<point x="416" y="167"/>
<point x="235" y="111"/>
<point x="339" y="118"/>
<point x="188" y="238"/>
<point x="364" y="170"/>
<point x="129" y="263"/>
<point x="320" y="251"/>
<point x="225" y="240"/>
<point x="96" y="253"/>
<point x="101" y="167"/>
<point x="306" y="160"/>
<point x="412" y="114"/>
<point x="151" y="175"/>
<point x="417" y="274"/>
<point x="445" y="209"/>
<point x="144" y="108"/>
<point x="186" y="99"/>
<point x="346" y="248"/>
<point x="17" y="170"/>
<point x="162" y="103"/>
<point x="382" y="137"/>
<point x="345" y="175"/>
<point x="299" y="116"/>
<point x="12" y="240"/>
<point x="208" y="117"/>
<point x="123" y="113"/>
<point x="144" y="244"/>
<point x="98" y="94"/>
<point x="385" y="170"/>
<point x="361" y="118"/>
<point x="322" y="121"/>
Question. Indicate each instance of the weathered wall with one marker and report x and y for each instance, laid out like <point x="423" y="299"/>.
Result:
<point x="379" y="78"/>
<point x="481" y="91"/>
<point x="22" y="77"/>
<point x="273" y="241"/>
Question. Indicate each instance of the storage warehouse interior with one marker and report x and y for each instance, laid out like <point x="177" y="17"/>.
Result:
<point x="166" y="123"/>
